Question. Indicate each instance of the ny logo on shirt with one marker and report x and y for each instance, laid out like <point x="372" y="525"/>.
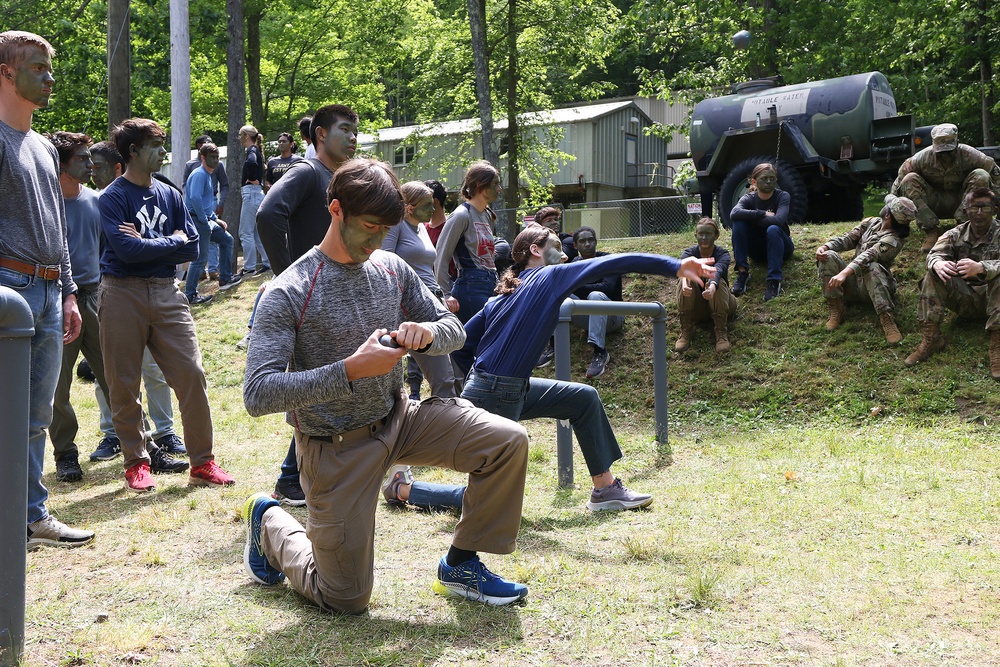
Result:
<point x="151" y="224"/>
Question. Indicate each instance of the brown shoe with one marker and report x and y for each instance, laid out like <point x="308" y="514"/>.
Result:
<point x="687" y="333"/>
<point x="932" y="236"/>
<point x="722" y="334"/>
<point x="892" y="335"/>
<point x="836" y="313"/>
<point x="930" y="343"/>
<point x="995" y="354"/>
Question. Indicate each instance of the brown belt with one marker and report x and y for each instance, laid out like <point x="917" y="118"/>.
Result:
<point x="40" y="270"/>
<point x="354" y="435"/>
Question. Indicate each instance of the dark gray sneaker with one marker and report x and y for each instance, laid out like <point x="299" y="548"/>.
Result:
<point x="616" y="497"/>
<point x="109" y="447"/>
<point x="68" y="468"/>
<point x="598" y="364"/>
<point x="290" y="493"/>
<point x="740" y="284"/>
<point x="162" y="462"/>
<point x="772" y="289"/>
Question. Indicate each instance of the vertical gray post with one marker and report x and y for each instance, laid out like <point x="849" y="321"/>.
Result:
<point x="16" y="329"/>
<point x="564" y="432"/>
<point x="660" y="385"/>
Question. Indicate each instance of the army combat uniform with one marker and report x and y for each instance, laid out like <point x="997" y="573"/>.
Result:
<point x="969" y="298"/>
<point x="872" y="281"/>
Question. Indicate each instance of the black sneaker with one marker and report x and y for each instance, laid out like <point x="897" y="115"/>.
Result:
<point x="109" y="448"/>
<point x="162" y="462"/>
<point x="198" y="299"/>
<point x="772" y="289"/>
<point x="231" y="283"/>
<point x="598" y="364"/>
<point x="68" y="468"/>
<point x="171" y="444"/>
<point x="261" y="270"/>
<point x="290" y="493"/>
<point x="85" y="372"/>
<point x="548" y="354"/>
<point x="740" y="286"/>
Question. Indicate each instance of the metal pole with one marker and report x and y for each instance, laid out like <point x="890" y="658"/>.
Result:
<point x="653" y="309"/>
<point x="16" y="330"/>
<point x="180" y="89"/>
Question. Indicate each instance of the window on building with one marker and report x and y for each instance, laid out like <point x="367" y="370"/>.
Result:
<point x="404" y="155"/>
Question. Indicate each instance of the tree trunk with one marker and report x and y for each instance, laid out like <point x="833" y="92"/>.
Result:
<point x="989" y="98"/>
<point x="119" y="52"/>
<point x="257" y="115"/>
<point x="513" y="130"/>
<point x="236" y="88"/>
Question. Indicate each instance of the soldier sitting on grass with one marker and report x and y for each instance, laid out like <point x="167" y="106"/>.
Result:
<point x="868" y="277"/>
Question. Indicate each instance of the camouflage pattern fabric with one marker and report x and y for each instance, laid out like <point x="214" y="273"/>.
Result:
<point x="872" y="281"/>
<point x="971" y="299"/>
<point x="937" y="184"/>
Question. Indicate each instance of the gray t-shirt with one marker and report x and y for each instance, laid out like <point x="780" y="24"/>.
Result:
<point x="414" y="245"/>
<point x="83" y="226"/>
<point x="32" y="218"/>
<point x="317" y="313"/>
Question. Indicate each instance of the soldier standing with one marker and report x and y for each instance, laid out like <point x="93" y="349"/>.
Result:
<point x="962" y="271"/>
<point x="938" y="178"/>
<point x="868" y="277"/>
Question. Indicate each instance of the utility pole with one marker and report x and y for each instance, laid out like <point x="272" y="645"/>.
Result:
<point x="119" y="55"/>
<point x="236" y="87"/>
<point x="180" y="89"/>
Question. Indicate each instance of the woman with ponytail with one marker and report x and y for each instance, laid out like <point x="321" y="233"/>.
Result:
<point x="253" y="195"/>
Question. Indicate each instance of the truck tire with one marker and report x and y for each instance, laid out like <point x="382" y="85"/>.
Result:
<point x="737" y="183"/>
<point x="839" y="204"/>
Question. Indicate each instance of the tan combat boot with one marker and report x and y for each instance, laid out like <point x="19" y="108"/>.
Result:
<point x="687" y="332"/>
<point x="932" y="236"/>
<point x="892" y="335"/>
<point x="836" y="313"/>
<point x="995" y="354"/>
<point x="930" y="343"/>
<point x="722" y="334"/>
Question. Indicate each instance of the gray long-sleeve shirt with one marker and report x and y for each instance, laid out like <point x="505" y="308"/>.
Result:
<point x="317" y="313"/>
<point x="32" y="218"/>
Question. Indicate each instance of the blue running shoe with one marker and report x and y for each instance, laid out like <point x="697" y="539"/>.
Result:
<point x="471" y="580"/>
<point x="254" y="559"/>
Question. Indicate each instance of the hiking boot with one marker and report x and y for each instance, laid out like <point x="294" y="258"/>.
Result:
<point x="995" y="354"/>
<point x="231" y="283"/>
<point x="598" y="364"/>
<point x="54" y="533"/>
<point x="932" y="236"/>
<point x="472" y="581"/>
<point x="171" y="444"/>
<point x="139" y="478"/>
<point x="722" y="334"/>
<point x="931" y="341"/>
<point x="740" y="284"/>
<point x="210" y="474"/>
<point x="892" y="335"/>
<point x="548" y="354"/>
<point x="199" y="300"/>
<point x="836" y="306"/>
<point x="772" y="290"/>
<point x="398" y="475"/>
<point x="290" y="493"/>
<point x="254" y="560"/>
<point x="109" y="447"/>
<point x="68" y="468"/>
<point x="687" y="332"/>
<point x="162" y="462"/>
<point x="617" y="497"/>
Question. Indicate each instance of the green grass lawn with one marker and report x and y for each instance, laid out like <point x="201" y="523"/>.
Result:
<point x="825" y="506"/>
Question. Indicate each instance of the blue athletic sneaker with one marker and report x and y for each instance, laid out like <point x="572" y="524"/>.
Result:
<point x="471" y="580"/>
<point x="254" y="559"/>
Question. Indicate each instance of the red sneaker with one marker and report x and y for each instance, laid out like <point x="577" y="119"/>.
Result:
<point x="210" y="474"/>
<point x="138" y="478"/>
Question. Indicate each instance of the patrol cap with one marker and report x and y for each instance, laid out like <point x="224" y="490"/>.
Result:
<point x="945" y="137"/>
<point x="902" y="209"/>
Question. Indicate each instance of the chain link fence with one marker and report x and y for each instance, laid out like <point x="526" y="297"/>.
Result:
<point x="627" y="218"/>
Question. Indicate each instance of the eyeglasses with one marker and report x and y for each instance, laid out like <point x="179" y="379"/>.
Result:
<point x="982" y="208"/>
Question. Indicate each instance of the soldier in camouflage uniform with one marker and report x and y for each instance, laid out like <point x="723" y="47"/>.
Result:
<point x="867" y="278"/>
<point x="962" y="272"/>
<point x="938" y="178"/>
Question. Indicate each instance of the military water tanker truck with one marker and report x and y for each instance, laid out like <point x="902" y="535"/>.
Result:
<point x="829" y="139"/>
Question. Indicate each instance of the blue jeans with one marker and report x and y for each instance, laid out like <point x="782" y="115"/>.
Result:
<point x="518" y="398"/>
<point x="213" y="259"/>
<point x="161" y="412"/>
<point x="45" y="300"/>
<point x="289" y="467"/>
<point x="472" y="289"/>
<point x="253" y="195"/>
<point x="773" y="246"/>
<point x="598" y="326"/>
<point x="208" y="233"/>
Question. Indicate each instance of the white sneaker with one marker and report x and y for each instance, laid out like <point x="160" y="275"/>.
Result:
<point x="54" y="533"/>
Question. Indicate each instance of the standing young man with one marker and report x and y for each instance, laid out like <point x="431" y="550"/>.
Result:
<point x="34" y="256"/>
<point x="147" y="233"/>
<point x="343" y="394"/>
